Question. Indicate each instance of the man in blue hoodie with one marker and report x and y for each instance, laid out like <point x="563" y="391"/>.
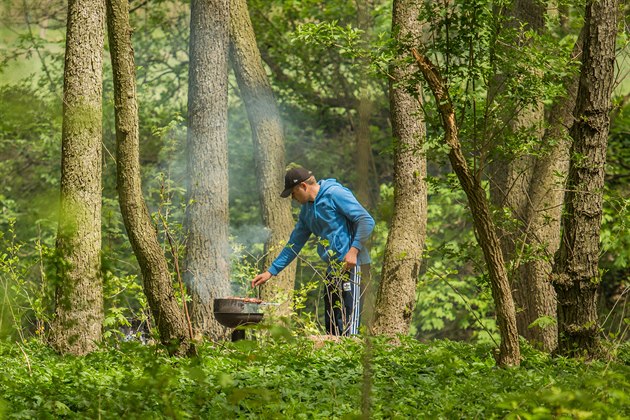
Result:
<point x="332" y="213"/>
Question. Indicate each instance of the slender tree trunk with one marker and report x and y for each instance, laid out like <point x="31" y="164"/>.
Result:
<point x="207" y="218"/>
<point x="142" y="233"/>
<point x="576" y="276"/>
<point x="405" y="243"/>
<point x="364" y="111"/>
<point x="268" y="137"/>
<point x="509" y="352"/>
<point x="363" y="147"/>
<point x="77" y="326"/>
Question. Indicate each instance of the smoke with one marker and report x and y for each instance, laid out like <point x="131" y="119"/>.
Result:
<point x="247" y="243"/>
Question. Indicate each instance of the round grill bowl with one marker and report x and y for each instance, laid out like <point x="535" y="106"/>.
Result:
<point x="233" y="320"/>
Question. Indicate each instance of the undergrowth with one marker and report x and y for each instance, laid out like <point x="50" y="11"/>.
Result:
<point x="293" y="378"/>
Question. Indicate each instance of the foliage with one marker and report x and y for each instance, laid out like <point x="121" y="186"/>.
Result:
<point x="30" y="129"/>
<point x="314" y="54"/>
<point x="283" y="377"/>
<point x="454" y="298"/>
<point x="616" y="218"/>
<point x="494" y="71"/>
<point x="25" y="289"/>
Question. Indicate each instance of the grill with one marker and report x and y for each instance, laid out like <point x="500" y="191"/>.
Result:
<point x="234" y="312"/>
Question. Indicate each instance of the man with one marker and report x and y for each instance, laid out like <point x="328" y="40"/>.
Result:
<point x="333" y="214"/>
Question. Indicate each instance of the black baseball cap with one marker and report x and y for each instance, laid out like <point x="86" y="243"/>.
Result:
<point x="293" y="177"/>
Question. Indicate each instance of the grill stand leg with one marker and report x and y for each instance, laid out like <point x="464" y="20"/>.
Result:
<point x="238" y="335"/>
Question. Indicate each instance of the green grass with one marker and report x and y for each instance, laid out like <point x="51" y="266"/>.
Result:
<point x="276" y="379"/>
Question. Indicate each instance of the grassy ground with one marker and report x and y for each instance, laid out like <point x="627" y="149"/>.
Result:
<point x="288" y="378"/>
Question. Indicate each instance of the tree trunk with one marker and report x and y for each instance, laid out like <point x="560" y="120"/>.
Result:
<point x="541" y="220"/>
<point x="268" y="137"/>
<point x="405" y="243"/>
<point x="207" y="218"/>
<point x="363" y="147"/>
<point x="364" y="110"/>
<point x="511" y="183"/>
<point x="77" y="326"/>
<point x="156" y="277"/>
<point x="509" y="352"/>
<point x="576" y="276"/>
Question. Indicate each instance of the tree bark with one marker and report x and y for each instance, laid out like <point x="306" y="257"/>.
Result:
<point x="511" y="181"/>
<point x="576" y="276"/>
<point x="268" y="138"/>
<point x="535" y="293"/>
<point x="207" y="218"/>
<point x="509" y="351"/>
<point x="364" y="110"/>
<point x="157" y="282"/>
<point x="77" y="327"/>
<point x="396" y="297"/>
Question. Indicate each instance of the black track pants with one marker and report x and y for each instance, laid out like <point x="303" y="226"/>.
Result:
<point x="342" y="302"/>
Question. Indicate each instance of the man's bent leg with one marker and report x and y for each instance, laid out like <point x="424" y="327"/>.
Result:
<point x="332" y="306"/>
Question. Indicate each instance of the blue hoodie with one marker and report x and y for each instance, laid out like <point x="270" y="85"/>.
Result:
<point x="337" y="218"/>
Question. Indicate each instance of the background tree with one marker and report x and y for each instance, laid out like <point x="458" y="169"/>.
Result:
<point x="364" y="110"/>
<point x="268" y="138"/>
<point x="576" y="275"/>
<point x="174" y="332"/>
<point x="77" y="326"/>
<point x="207" y="217"/>
<point x="511" y="174"/>
<point x="405" y="243"/>
<point x="541" y="221"/>
<point x="509" y="351"/>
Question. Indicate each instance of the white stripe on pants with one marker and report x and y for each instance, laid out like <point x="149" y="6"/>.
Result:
<point x="342" y="303"/>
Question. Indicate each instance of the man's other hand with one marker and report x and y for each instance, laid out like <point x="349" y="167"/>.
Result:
<point x="350" y="260"/>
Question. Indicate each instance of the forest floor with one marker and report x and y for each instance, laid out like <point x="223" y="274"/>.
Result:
<point x="279" y="376"/>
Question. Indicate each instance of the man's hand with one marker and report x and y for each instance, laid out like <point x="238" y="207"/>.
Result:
<point x="261" y="278"/>
<point x="350" y="260"/>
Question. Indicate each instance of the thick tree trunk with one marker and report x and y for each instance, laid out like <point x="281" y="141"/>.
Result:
<point x="77" y="326"/>
<point x="396" y="297"/>
<point x="576" y="276"/>
<point x="509" y="352"/>
<point x="157" y="282"/>
<point x="268" y="137"/>
<point x="207" y="218"/>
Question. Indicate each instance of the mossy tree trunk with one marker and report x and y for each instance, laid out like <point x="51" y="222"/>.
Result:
<point x="396" y="297"/>
<point x="533" y="292"/>
<point x="157" y="282"/>
<point x="576" y="276"/>
<point x="77" y="326"/>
